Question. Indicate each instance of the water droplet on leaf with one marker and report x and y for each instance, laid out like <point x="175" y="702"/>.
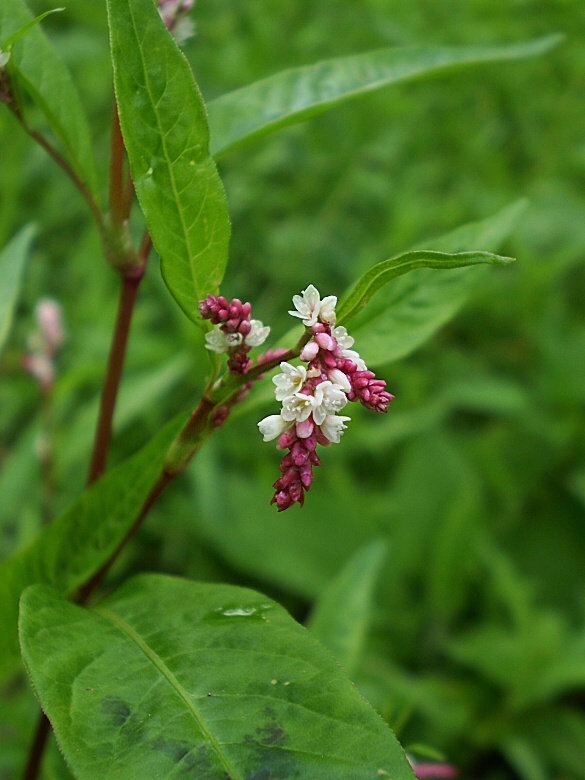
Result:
<point x="250" y="612"/>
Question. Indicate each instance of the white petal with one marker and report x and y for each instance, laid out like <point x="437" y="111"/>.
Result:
<point x="290" y="381"/>
<point x="271" y="427"/>
<point x="319" y="415"/>
<point x="327" y="309"/>
<point x="333" y="426"/>
<point x="297" y="407"/>
<point x="258" y="334"/>
<point x="344" y="340"/>
<point x="334" y="399"/>
<point x="308" y="306"/>
<point x="340" y="379"/>
<point x="216" y="340"/>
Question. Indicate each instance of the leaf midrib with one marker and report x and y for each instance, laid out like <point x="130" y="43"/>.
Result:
<point x="157" y="661"/>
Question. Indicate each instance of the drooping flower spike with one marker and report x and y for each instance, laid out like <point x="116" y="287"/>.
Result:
<point x="312" y="395"/>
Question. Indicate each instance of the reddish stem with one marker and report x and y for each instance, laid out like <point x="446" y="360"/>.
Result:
<point x="36" y="752"/>
<point x="61" y="162"/>
<point x="86" y="591"/>
<point x="103" y="435"/>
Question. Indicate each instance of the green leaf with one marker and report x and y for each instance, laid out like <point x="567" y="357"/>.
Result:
<point x="164" y="124"/>
<point x="415" y="306"/>
<point x="384" y="272"/>
<point x="9" y="43"/>
<point x="80" y="541"/>
<point x="171" y="678"/>
<point x="36" y="68"/>
<point x="12" y="261"/>
<point x="297" y="94"/>
<point x="341" y="617"/>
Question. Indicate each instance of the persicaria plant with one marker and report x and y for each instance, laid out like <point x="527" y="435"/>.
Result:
<point x="156" y="675"/>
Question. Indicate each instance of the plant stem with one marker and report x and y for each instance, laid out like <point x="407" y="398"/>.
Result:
<point x="38" y="746"/>
<point x="103" y="435"/>
<point x="93" y="584"/>
<point x="61" y="162"/>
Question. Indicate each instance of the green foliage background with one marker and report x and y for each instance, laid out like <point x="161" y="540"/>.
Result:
<point x="472" y="640"/>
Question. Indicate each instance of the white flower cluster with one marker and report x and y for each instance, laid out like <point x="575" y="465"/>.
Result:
<point x="313" y="396"/>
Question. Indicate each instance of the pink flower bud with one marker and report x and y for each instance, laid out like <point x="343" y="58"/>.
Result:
<point x="48" y="313"/>
<point x="326" y="342"/>
<point x="309" y="351"/>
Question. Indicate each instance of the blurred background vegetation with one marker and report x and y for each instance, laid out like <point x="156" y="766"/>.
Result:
<point x="462" y="513"/>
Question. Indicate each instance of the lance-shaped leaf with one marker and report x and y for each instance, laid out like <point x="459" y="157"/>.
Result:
<point x="171" y="678"/>
<point x="12" y="261"/>
<point x="297" y="94"/>
<point x="384" y="272"/>
<point x="407" y="312"/>
<point x="38" y="70"/>
<point x="165" y="131"/>
<point x="70" y="550"/>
